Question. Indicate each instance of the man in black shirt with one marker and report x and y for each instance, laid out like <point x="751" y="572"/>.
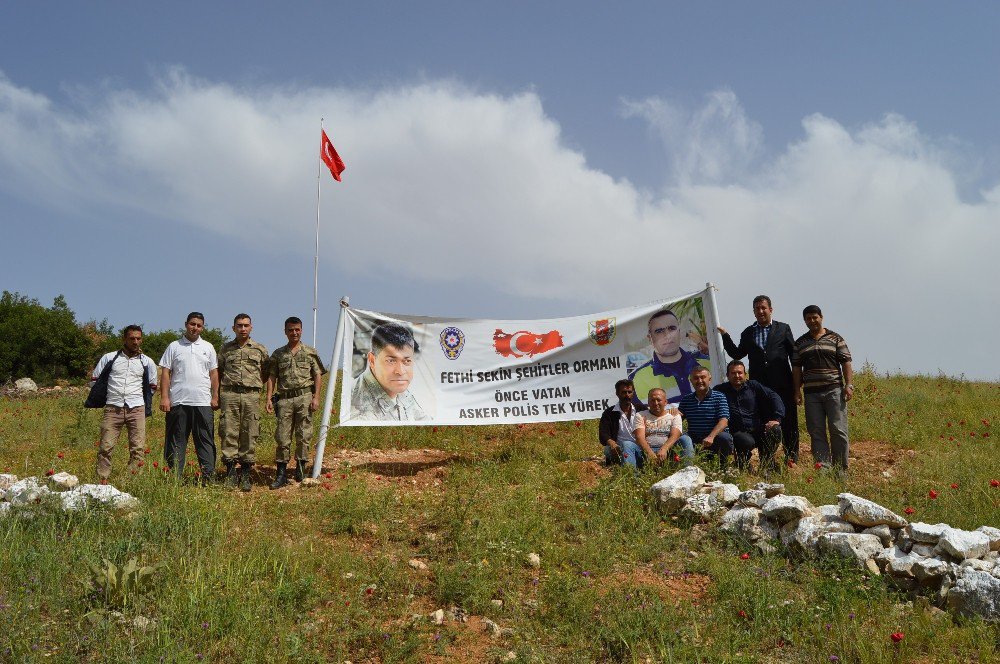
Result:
<point x="755" y="414"/>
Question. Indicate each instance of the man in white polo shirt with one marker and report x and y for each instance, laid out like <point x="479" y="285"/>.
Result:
<point x="190" y="393"/>
<point x="130" y="379"/>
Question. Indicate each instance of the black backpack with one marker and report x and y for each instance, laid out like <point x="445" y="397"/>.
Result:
<point x="98" y="397"/>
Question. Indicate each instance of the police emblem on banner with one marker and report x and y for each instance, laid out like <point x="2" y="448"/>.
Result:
<point x="452" y="342"/>
<point x="602" y="332"/>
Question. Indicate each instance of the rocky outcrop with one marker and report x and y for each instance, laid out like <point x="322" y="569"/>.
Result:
<point x="959" y="568"/>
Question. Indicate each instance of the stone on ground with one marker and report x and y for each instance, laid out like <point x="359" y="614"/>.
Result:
<point x="976" y="593"/>
<point x="925" y="532"/>
<point x="855" y="547"/>
<point x="672" y="492"/>
<point x="782" y="508"/>
<point x="702" y="507"/>
<point x="63" y="480"/>
<point x="865" y="513"/>
<point x="25" y="385"/>
<point x="964" y="544"/>
<point x="748" y="524"/>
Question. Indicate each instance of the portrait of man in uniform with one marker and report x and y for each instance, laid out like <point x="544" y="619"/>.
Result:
<point x="382" y="391"/>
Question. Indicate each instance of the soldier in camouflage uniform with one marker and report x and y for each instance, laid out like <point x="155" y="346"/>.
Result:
<point x="295" y="377"/>
<point x="242" y="372"/>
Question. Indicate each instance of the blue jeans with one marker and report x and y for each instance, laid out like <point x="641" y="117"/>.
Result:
<point x="629" y="454"/>
<point x="683" y="447"/>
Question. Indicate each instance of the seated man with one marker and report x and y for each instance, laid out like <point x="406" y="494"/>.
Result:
<point x="661" y="429"/>
<point x="707" y="414"/>
<point x="755" y="414"/>
<point x="616" y="432"/>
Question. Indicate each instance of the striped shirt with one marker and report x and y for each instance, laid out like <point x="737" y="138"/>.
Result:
<point x="760" y="334"/>
<point x="820" y="360"/>
<point x="702" y="415"/>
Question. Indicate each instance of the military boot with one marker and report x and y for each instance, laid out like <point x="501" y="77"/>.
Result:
<point x="282" y="479"/>
<point x="245" y="477"/>
<point x="231" y="477"/>
<point x="300" y="470"/>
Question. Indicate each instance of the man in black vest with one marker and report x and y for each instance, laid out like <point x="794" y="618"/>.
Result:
<point x="768" y="343"/>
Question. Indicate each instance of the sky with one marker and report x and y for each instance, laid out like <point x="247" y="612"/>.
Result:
<point x="511" y="161"/>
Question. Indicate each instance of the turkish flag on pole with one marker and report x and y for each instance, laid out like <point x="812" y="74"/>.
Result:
<point x="330" y="157"/>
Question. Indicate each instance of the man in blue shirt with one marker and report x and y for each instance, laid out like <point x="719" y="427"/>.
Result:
<point x="755" y="414"/>
<point x="707" y="414"/>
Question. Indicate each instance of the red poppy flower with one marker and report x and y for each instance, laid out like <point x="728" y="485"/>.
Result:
<point x="932" y="493"/>
<point x="50" y="472"/>
<point x="994" y="483"/>
<point x="147" y="451"/>
<point x="817" y="465"/>
<point x="954" y="485"/>
<point x="908" y="511"/>
<point x="60" y="455"/>
<point x="744" y="556"/>
<point x="677" y="458"/>
<point x="897" y="637"/>
<point x="579" y="423"/>
<point x="141" y="464"/>
<point x="156" y="464"/>
<point x="328" y="475"/>
<point x="369" y="591"/>
<point x="742" y="613"/>
<point x="435" y="429"/>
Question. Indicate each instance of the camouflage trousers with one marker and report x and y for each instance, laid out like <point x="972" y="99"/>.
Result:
<point x="293" y="419"/>
<point x="239" y="426"/>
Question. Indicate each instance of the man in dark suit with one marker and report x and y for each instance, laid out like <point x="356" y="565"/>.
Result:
<point x="768" y="343"/>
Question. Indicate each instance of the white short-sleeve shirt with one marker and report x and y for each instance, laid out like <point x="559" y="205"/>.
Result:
<point x="125" y="379"/>
<point x="658" y="428"/>
<point x="189" y="363"/>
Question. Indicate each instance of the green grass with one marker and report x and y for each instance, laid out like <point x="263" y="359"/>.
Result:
<point x="321" y="574"/>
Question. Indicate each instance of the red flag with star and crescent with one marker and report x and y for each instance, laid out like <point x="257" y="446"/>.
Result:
<point x="523" y="343"/>
<point x="330" y="157"/>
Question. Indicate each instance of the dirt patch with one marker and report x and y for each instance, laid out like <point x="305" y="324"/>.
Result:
<point x="589" y="472"/>
<point x="671" y="586"/>
<point x="875" y="460"/>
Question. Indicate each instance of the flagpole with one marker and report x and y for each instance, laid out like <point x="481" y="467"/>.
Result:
<point x="331" y="387"/>
<point x="319" y="172"/>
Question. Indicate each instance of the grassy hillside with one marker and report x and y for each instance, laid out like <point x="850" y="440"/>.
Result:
<point x="323" y="573"/>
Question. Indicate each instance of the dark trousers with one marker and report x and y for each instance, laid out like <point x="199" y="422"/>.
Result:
<point x="765" y="442"/>
<point x="789" y="423"/>
<point x="197" y="422"/>
<point x="722" y="446"/>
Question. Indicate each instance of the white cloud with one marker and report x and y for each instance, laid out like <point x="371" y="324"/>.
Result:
<point x="867" y="222"/>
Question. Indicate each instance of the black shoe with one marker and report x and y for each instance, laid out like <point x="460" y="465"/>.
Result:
<point x="300" y="470"/>
<point x="231" y="477"/>
<point x="281" y="479"/>
<point x="245" y="477"/>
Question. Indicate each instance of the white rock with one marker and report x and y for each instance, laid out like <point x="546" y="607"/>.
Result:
<point x="671" y="492"/>
<point x="883" y="532"/>
<point x="438" y="617"/>
<point x="509" y="656"/>
<point x="872" y="567"/>
<point x="497" y="603"/>
<point x="924" y="550"/>
<point x="726" y="494"/>
<point x="25" y="385"/>
<point x="534" y="560"/>
<point x="977" y="564"/>
<point x="702" y="507"/>
<point x="964" y="544"/>
<point x="417" y="564"/>
<point x="783" y="509"/>
<point x="866" y="513"/>
<point x="989" y="531"/>
<point x="752" y="498"/>
<point x="925" y="532"/>
<point x="64" y="481"/>
<point x="748" y="524"/>
<point x="855" y="547"/>
<point x="771" y="490"/>
<point x="5" y="509"/>
<point x="308" y="482"/>
<point x="108" y="495"/>
<point x="802" y="535"/>
<point x="829" y="511"/>
<point x="491" y="627"/>
<point x="6" y="481"/>
<point x="27" y="491"/>
<point x="929" y="569"/>
<point x="902" y="565"/>
<point x="72" y="500"/>
<point x="976" y="593"/>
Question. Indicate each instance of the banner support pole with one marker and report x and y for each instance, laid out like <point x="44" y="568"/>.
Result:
<point x="331" y="387"/>
<point x="715" y="349"/>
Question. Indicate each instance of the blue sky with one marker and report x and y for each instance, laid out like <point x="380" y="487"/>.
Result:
<point x="512" y="160"/>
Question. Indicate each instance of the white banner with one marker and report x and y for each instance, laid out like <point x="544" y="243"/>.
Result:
<point x="420" y="370"/>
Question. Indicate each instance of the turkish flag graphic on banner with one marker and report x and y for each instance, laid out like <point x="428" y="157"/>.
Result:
<point x="330" y="157"/>
<point x="525" y="344"/>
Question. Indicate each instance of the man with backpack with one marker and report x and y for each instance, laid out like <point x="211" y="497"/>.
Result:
<point x="124" y="382"/>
